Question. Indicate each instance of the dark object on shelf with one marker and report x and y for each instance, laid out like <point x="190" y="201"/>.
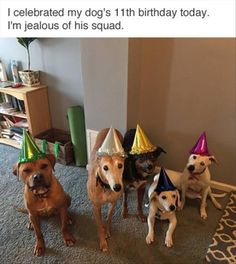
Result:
<point x="57" y="142"/>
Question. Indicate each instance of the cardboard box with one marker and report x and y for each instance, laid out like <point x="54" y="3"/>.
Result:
<point x="65" y="148"/>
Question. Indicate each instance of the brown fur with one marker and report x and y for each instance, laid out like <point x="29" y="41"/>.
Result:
<point x="43" y="198"/>
<point x="100" y="195"/>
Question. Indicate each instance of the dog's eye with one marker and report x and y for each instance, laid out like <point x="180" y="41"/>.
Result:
<point x="44" y="166"/>
<point x="194" y="157"/>
<point x="173" y="195"/>
<point x="163" y="197"/>
<point x="27" y="170"/>
<point x="202" y="163"/>
<point x="105" y="168"/>
<point x="120" y="166"/>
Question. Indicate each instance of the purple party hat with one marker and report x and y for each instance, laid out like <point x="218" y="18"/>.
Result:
<point x="200" y="147"/>
<point x="164" y="183"/>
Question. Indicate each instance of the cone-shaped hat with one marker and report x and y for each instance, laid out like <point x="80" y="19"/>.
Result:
<point x="111" y="145"/>
<point x="29" y="150"/>
<point x="164" y="183"/>
<point x="141" y="143"/>
<point x="200" y="147"/>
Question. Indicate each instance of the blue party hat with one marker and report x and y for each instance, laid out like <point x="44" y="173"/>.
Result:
<point x="164" y="183"/>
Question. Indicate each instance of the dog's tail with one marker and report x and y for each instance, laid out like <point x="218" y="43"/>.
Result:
<point x="213" y="198"/>
<point x="21" y="210"/>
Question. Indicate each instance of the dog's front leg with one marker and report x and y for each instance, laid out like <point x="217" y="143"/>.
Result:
<point x="124" y="203"/>
<point x="169" y="233"/>
<point x="183" y="194"/>
<point x="68" y="238"/>
<point x="39" y="246"/>
<point x="109" y="219"/>
<point x="100" y="228"/>
<point x="203" y="203"/>
<point x="151" y="222"/>
<point x="140" y="194"/>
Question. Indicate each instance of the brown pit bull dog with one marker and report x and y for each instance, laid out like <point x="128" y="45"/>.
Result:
<point x="43" y="196"/>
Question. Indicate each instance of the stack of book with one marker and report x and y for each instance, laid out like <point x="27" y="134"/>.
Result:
<point x="10" y="104"/>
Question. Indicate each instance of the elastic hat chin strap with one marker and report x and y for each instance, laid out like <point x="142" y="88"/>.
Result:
<point x="102" y="183"/>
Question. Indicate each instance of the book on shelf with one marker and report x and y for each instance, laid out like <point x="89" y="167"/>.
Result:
<point x="10" y="104"/>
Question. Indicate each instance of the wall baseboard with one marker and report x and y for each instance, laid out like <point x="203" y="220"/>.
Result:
<point x="222" y="186"/>
<point x="91" y="138"/>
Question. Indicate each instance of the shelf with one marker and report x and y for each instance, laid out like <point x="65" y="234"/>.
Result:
<point x="10" y="142"/>
<point x="17" y="114"/>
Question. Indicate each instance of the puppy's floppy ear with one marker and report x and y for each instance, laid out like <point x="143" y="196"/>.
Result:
<point x="159" y="150"/>
<point x="52" y="159"/>
<point x="178" y="202"/>
<point x="213" y="159"/>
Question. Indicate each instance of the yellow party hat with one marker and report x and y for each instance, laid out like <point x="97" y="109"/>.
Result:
<point x="141" y="143"/>
<point x="111" y="145"/>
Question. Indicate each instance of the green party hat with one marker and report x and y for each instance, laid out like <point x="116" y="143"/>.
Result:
<point x="29" y="150"/>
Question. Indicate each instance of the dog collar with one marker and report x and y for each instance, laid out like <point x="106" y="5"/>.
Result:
<point x="102" y="183"/>
<point x="159" y="212"/>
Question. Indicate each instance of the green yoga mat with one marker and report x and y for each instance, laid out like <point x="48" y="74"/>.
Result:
<point x="78" y="135"/>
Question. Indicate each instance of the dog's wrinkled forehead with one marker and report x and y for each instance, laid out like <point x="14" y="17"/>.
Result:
<point x="196" y="159"/>
<point x="145" y="156"/>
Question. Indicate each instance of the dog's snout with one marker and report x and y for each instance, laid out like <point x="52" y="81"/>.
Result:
<point x="172" y="207"/>
<point x="117" y="187"/>
<point x="191" y="168"/>
<point x="38" y="177"/>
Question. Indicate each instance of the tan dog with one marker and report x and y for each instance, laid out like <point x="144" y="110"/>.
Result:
<point x="163" y="207"/>
<point x="104" y="185"/>
<point x="43" y="196"/>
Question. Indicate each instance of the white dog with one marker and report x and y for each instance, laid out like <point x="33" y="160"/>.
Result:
<point x="163" y="203"/>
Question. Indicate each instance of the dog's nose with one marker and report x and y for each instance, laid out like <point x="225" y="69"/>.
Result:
<point x="37" y="177"/>
<point x="149" y="166"/>
<point x="117" y="187"/>
<point x="191" y="168"/>
<point x="172" y="207"/>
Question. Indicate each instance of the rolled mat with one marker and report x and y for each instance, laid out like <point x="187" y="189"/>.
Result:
<point x="78" y="135"/>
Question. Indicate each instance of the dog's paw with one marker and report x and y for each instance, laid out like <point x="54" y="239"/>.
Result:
<point x="203" y="215"/>
<point x="168" y="242"/>
<point x="149" y="239"/>
<point x="69" y="240"/>
<point x="39" y="249"/>
<point x="142" y="218"/>
<point x="103" y="245"/>
<point x="30" y="226"/>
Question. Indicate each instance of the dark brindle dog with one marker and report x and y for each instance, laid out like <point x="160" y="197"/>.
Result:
<point x="139" y="168"/>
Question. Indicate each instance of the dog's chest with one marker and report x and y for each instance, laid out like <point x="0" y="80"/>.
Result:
<point x="136" y="184"/>
<point x="45" y="207"/>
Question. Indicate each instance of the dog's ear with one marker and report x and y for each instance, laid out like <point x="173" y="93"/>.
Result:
<point x="178" y="202"/>
<point x="15" y="169"/>
<point x="52" y="159"/>
<point x="213" y="159"/>
<point x="158" y="151"/>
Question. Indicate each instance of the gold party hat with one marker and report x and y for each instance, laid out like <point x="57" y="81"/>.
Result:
<point x="141" y="143"/>
<point x="29" y="150"/>
<point x="111" y="145"/>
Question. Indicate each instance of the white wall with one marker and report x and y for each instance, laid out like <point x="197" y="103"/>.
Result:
<point x="105" y="71"/>
<point x="60" y="65"/>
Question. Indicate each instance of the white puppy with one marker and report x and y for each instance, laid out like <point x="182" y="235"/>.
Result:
<point x="163" y="204"/>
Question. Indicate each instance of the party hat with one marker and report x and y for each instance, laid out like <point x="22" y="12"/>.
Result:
<point x="111" y="145"/>
<point x="200" y="147"/>
<point x="164" y="183"/>
<point x="29" y="150"/>
<point x="141" y="143"/>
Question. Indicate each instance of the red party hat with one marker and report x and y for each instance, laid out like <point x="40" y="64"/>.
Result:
<point x="200" y="147"/>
